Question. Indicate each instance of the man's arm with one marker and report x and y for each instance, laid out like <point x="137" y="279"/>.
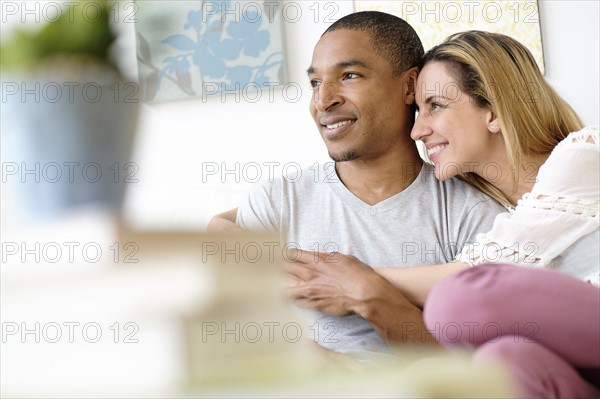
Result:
<point x="224" y="222"/>
<point x="341" y="285"/>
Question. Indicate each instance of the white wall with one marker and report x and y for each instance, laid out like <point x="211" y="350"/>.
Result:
<point x="177" y="139"/>
<point x="570" y="37"/>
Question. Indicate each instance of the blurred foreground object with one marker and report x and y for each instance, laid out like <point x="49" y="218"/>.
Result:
<point x="181" y="314"/>
<point x="68" y="116"/>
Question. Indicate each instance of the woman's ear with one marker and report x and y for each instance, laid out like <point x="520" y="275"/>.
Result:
<point x="493" y="123"/>
<point x="411" y="85"/>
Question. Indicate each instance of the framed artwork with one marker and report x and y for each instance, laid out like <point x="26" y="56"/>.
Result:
<point x="434" y="21"/>
<point x="188" y="49"/>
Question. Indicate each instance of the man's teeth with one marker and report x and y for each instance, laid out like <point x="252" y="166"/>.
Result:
<point x="336" y="125"/>
<point x="433" y="150"/>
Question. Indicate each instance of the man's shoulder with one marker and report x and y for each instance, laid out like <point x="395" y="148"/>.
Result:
<point x="294" y="184"/>
<point x="293" y="194"/>
<point x="427" y="178"/>
<point x="294" y="177"/>
<point x="457" y="190"/>
<point x="474" y="199"/>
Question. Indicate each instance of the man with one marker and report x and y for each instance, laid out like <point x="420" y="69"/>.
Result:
<point x="377" y="202"/>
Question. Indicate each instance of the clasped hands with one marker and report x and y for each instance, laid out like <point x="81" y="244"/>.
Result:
<point x="334" y="283"/>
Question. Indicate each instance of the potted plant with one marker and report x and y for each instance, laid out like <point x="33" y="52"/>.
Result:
<point x="68" y="116"/>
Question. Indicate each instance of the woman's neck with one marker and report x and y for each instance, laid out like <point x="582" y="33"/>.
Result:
<point x="516" y="180"/>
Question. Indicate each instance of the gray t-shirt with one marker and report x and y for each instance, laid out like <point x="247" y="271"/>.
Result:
<point x="427" y="223"/>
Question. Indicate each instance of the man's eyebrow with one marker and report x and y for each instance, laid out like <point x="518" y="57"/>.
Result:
<point x="342" y="65"/>
<point x="351" y="63"/>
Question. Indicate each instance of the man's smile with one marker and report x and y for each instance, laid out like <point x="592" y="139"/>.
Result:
<point x="333" y="128"/>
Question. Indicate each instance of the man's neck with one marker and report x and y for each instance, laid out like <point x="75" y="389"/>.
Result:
<point x="376" y="180"/>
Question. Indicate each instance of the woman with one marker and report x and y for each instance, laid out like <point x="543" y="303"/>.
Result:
<point x="494" y="121"/>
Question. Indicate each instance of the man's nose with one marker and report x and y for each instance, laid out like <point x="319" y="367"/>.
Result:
<point x="327" y="96"/>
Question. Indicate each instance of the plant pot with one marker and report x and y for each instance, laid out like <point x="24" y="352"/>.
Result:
<point x="68" y="144"/>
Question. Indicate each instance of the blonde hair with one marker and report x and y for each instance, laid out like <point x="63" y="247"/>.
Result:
<point x="500" y="74"/>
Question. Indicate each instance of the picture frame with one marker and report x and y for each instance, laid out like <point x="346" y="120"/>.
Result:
<point x="195" y="49"/>
<point x="434" y="21"/>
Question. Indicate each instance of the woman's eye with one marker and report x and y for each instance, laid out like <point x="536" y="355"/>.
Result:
<point x="434" y="106"/>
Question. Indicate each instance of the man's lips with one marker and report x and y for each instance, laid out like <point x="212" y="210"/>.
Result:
<point x="334" y="127"/>
<point x="338" y="124"/>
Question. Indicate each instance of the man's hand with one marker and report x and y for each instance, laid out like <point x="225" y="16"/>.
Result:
<point x="341" y="285"/>
<point x="332" y="283"/>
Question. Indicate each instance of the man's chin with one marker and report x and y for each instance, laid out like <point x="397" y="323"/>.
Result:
<point x="344" y="157"/>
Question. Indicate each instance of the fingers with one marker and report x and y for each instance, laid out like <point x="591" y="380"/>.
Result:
<point x="322" y="305"/>
<point x="295" y="292"/>
<point x="290" y="281"/>
<point x="298" y="271"/>
<point x="297" y="255"/>
<point x="300" y="264"/>
<point x="310" y="292"/>
<point x="302" y="298"/>
<point x="305" y="304"/>
<point x="306" y="292"/>
<point x="305" y="269"/>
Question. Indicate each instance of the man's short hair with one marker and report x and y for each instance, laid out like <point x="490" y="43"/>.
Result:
<point x="392" y="37"/>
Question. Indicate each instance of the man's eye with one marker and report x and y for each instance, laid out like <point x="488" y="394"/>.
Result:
<point x="314" y="83"/>
<point x="351" y="75"/>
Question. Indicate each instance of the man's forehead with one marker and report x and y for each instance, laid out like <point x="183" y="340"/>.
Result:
<point x="342" y="48"/>
<point x="343" y="40"/>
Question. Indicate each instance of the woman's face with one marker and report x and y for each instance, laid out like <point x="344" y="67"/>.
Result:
<point x="459" y="136"/>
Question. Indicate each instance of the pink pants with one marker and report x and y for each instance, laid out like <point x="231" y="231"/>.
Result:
<point x="543" y="324"/>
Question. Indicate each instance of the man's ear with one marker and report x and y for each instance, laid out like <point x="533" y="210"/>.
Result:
<point x="410" y="77"/>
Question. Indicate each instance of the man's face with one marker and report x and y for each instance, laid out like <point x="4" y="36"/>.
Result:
<point x="361" y="110"/>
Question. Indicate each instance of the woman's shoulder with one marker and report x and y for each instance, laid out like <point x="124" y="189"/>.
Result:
<point x="575" y="153"/>
<point x="568" y="180"/>
<point x="586" y="137"/>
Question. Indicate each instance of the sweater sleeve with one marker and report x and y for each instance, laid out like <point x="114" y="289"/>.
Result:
<point x="260" y="210"/>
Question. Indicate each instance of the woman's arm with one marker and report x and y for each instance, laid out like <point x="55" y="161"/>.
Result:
<point x="224" y="222"/>
<point x="340" y="284"/>
<point x="416" y="282"/>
